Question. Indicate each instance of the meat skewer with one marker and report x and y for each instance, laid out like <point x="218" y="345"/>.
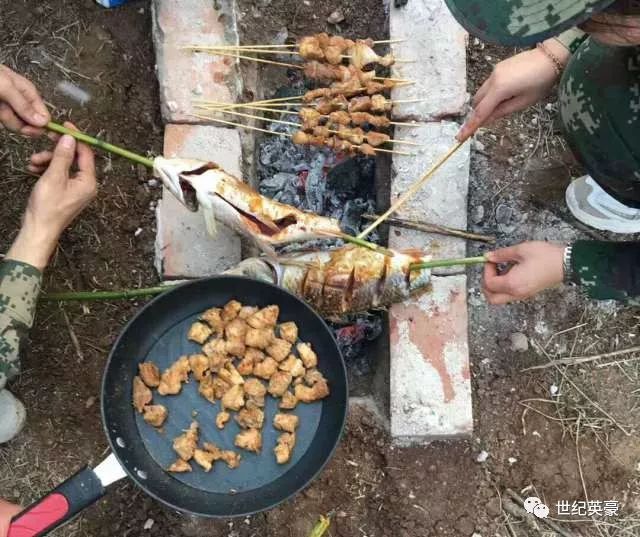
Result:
<point x="333" y="142"/>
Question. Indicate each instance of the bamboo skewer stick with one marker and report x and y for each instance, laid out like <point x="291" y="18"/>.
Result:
<point x="291" y="45"/>
<point x="240" y="125"/>
<point x="217" y="104"/>
<point x="411" y="192"/>
<point x="442" y="263"/>
<point x="242" y="57"/>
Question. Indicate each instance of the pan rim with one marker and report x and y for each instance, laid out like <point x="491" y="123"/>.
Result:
<point x="141" y="482"/>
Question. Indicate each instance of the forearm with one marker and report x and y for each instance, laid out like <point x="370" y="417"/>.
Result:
<point x="19" y="289"/>
<point x="607" y="270"/>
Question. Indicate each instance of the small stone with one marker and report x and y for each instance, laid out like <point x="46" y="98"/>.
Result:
<point x="477" y="214"/>
<point x="336" y="17"/>
<point x="477" y="145"/>
<point x="512" y="460"/>
<point x="553" y="390"/>
<point x="482" y="456"/>
<point x="148" y="524"/>
<point x="90" y="402"/>
<point x="519" y="342"/>
<point x="153" y="183"/>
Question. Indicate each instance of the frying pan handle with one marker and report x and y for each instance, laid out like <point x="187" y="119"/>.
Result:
<point x="58" y="506"/>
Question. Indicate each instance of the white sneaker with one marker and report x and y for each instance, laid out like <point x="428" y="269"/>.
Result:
<point x="595" y="208"/>
<point x="12" y="416"/>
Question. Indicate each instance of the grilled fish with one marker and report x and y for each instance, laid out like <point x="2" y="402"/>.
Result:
<point x="229" y="200"/>
<point x="344" y="281"/>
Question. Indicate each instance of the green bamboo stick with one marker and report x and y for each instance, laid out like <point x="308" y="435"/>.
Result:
<point x="439" y="263"/>
<point x="101" y="144"/>
<point x="105" y="295"/>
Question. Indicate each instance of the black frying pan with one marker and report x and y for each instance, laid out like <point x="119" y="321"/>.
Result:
<point x="158" y="333"/>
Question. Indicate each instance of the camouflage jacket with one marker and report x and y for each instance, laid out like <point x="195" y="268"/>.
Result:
<point x="607" y="270"/>
<point x="19" y="288"/>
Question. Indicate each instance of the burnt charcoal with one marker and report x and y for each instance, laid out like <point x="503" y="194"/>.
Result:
<point x="354" y="338"/>
<point x="351" y="219"/>
<point x="315" y="185"/>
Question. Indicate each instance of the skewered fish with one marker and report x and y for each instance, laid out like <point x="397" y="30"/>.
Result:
<point x="223" y="197"/>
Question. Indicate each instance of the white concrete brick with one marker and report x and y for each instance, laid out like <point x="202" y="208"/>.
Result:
<point x="437" y="43"/>
<point x="183" y="247"/>
<point x="443" y="200"/>
<point x="430" y="376"/>
<point x="184" y="75"/>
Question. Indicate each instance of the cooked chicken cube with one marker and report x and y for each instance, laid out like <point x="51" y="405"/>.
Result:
<point x="204" y="459"/>
<point x="250" y="417"/>
<point x="251" y="440"/>
<point x="230" y="374"/>
<point x="279" y="349"/>
<point x="199" y="332"/>
<point x="231" y="310"/>
<point x="150" y="374"/>
<point x="185" y="444"/>
<point x="245" y="367"/>
<point x="312" y="376"/>
<point x="289" y="332"/>
<point x="235" y="347"/>
<point x="222" y="418"/>
<point x="307" y="394"/>
<point x="256" y="355"/>
<point x="213" y="317"/>
<point x="142" y="395"/>
<point x="214" y="450"/>
<point x="236" y="329"/>
<point x="231" y="458"/>
<point x="284" y="448"/>
<point x="293" y="365"/>
<point x="265" y="318"/>
<point x="206" y="388"/>
<point x="214" y="347"/>
<point x="172" y="378"/>
<point x="220" y="387"/>
<point x="279" y="383"/>
<point x="199" y="364"/>
<point x="233" y="399"/>
<point x="259" y="338"/>
<point x="309" y="358"/>
<point x="217" y="360"/>
<point x="155" y="415"/>
<point x="255" y="391"/>
<point x="288" y="402"/>
<point x="246" y="312"/>
<point x="286" y="422"/>
<point x="266" y="368"/>
<point x="180" y="466"/>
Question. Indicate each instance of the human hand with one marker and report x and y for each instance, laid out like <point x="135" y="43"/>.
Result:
<point x="515" y="84"/>
<point x="7" y="512"/>
<point x="535" y="266"/>
<point x="21" y="107"/>
<point x="56" y="199"/>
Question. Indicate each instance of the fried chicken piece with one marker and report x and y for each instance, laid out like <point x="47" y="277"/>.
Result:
<point x="340" y="118"/>
<point x="230" y="374"/>
<point x="340" y="42"/>
<point x="312" y="376"/>
<point x="179" y="467"/>
<point x="380" y="104"/>
<point x="206" y="388"/>
<point x="231" y="310"/>
<point x="245" y="367"/>
<point x="246" y="312"/>
<point x="233" y="399"/>
<point x="217" y="360"/>
<point x="360" y="104"/>
<point x="286" y="422"/>
<point x="293" y="365"/>
<point x="259" y="338"/>
<point x="251" y="440"/>
<point x="367" y="150"/>
<point x="236" y="329"/>
<point x="309" y="48"/>
<point x="376" y="139"/>
<point x="255" y="391"/>
<point x="279" y="383"/>
<point x="266" y="368"/>
<point x="288" y="402"/>
<point x="215" y="346"/>
<point x="231" y="458"/>
<point x="173" y="377"/>
<point x="310" y="116"/>
<point x="265" y="318"/>
<point x="220" y="387"/>
<point x="284" y="447"/>
<point x="222" y="418"/>
<point x="250" y="417"/>
<point x="142" y="395"/>
<point x="199" y="364"/>
<point x="155" y="415"/>
<point x="185" y="444"/>
<point x="235" y="347"/>
<point x="204" y="459"/>
<point x="289" y="332"/>
<point x="213" y="317"/>
<point x="279" y="349"/>
<point x="150" y="374"/>
<point x="309" y="358"/>
<point x="255" y="354"/>
<point x="333" y="55"/>
<point x="307" y="394"/>
<point x="213" y="449"/>
<point x="199" y="332"/>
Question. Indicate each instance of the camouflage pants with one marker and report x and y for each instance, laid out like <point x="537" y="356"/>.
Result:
<point x="600" y="111"/>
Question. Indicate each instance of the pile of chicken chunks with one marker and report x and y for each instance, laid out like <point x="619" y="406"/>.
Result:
<point x="246" y="354"/>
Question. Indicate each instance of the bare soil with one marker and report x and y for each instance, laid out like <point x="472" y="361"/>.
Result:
<point x="543" y="436"/>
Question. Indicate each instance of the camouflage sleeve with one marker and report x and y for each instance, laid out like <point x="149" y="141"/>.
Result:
<point x="19" y="288"/>
<point x="572" y="39"/>
<point x="607" y="270"/>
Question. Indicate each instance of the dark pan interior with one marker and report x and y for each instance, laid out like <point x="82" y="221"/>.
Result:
<point x="158" y="333"/>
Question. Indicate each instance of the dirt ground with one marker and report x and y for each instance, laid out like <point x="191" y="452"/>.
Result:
<point x="559" y="434"/>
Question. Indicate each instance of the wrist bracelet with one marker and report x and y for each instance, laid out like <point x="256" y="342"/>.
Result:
<point x="566" y="264"/>
<point x="557" y="64"/>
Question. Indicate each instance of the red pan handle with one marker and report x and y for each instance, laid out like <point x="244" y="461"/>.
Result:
<point x="58" y="506"/>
